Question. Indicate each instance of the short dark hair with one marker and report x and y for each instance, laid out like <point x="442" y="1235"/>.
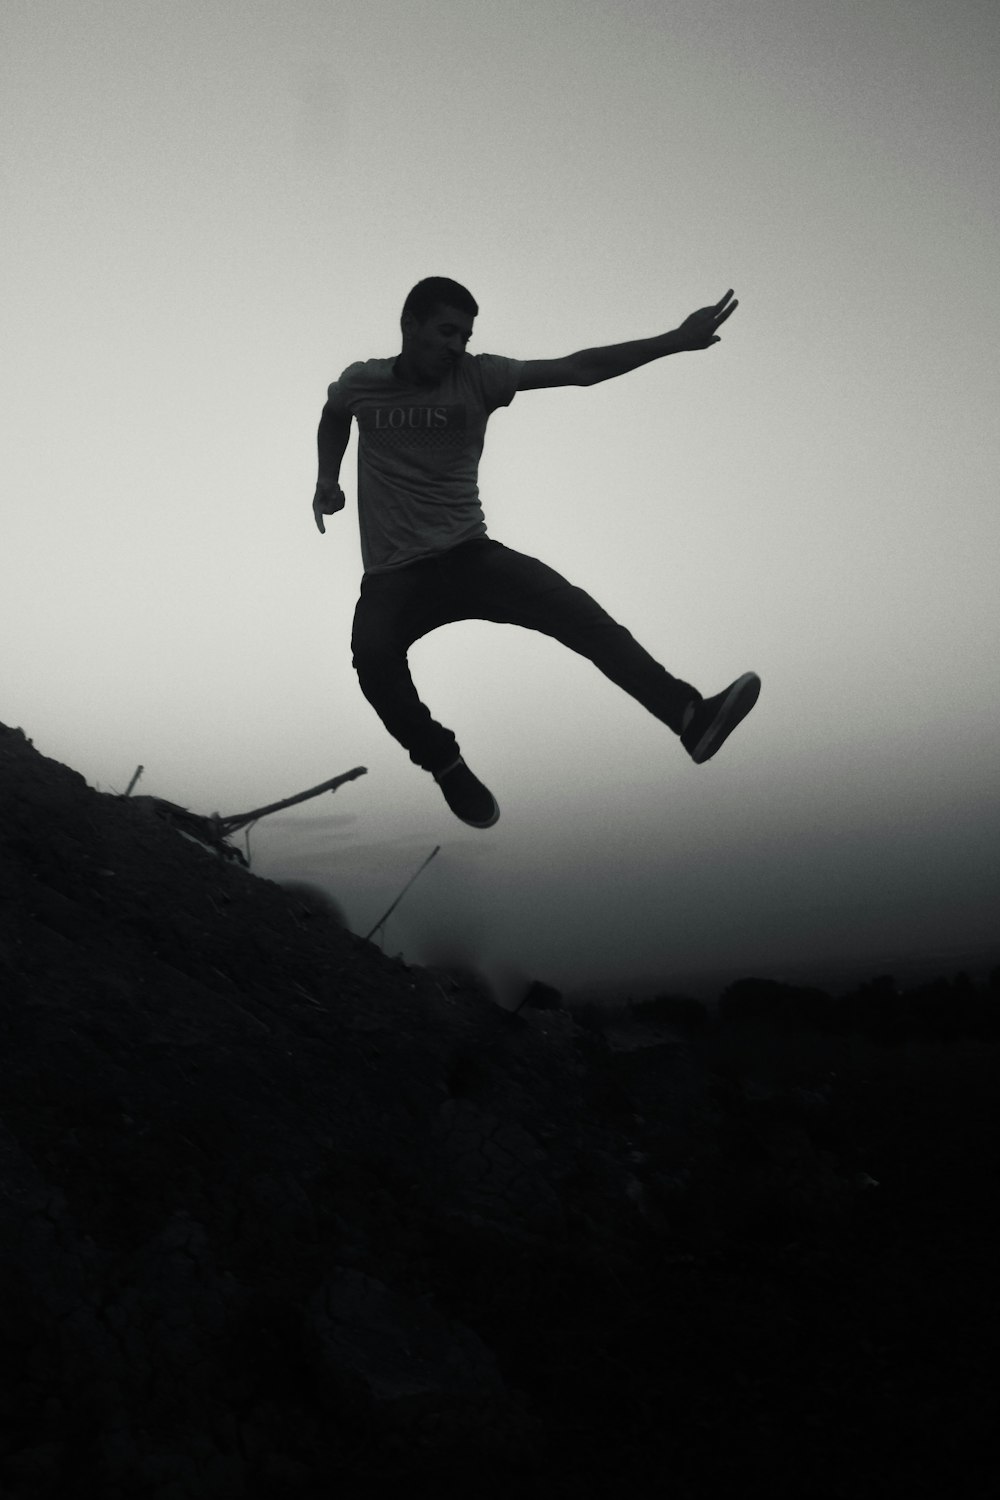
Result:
<point x="436" y="290"/>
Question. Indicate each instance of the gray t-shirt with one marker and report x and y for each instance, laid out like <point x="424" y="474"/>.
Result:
<point x="418" y="454"/>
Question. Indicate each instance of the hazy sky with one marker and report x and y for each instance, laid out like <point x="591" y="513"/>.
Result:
<point x="211" y="208"/>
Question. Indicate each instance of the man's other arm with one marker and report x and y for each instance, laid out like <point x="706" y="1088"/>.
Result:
<point x="591" y="366"/>
<point x="331" y="440"/>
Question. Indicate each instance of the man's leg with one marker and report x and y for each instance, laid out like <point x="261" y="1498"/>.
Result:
<point x="521" y="590"/>
<point x="394" y="610"/>
<point x="512" y="588"/>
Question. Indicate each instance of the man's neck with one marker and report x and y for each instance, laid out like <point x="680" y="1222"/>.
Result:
<point x="405" y="375"/>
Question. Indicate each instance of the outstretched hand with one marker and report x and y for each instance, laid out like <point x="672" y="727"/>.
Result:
<point x="328" y="499"/>
<point x="699" y="330"/>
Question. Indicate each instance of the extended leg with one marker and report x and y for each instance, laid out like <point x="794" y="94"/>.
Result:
<point x="519" y="590"/>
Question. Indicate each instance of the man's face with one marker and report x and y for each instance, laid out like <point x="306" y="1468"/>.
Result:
<point x="435" y="346"/>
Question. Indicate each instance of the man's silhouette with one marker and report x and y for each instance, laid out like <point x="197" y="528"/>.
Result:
<point x="427" y="558"/>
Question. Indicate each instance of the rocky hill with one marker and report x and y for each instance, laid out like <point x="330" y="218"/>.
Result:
<point x="282" y="1217"/>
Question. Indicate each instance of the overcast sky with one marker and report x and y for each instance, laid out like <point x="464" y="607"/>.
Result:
<point x="210" y="209"/>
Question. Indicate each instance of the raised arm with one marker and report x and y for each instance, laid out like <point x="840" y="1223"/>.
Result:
<point x="591" y="366"/>
<point x="331" y="440"/>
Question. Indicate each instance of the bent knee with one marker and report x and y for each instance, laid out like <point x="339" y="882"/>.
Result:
<point x="376" y="658"/>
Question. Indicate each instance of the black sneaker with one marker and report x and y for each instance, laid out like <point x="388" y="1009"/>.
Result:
<point x="709" y="723"/>
<point x="465" y="794"/>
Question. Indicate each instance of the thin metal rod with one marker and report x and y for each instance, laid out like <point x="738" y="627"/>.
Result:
<point x="382" y="921"/>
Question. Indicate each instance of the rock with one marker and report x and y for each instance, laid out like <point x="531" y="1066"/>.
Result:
<point x="430" y="1382"/>
<point x="541" y="996"/>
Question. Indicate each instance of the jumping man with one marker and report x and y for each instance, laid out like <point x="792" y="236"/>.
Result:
<point x="427" y="558"/>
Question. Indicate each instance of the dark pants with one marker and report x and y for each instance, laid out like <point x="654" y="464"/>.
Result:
<point x="483" y="580"/>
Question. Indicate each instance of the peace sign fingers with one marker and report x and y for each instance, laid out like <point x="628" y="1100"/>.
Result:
<point x="699" y="330"/>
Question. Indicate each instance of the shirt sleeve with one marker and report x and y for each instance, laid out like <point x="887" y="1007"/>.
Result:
<point x="499" y="376"/>
<point x="337" y="393"/>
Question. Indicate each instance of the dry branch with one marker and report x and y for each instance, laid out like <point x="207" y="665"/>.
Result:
<point x="215" y="830"/>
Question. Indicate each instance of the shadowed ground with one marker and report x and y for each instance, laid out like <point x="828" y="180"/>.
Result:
<point x="280" y="1216"/>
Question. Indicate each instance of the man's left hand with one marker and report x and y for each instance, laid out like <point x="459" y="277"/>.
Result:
<point x="699" y="330"/>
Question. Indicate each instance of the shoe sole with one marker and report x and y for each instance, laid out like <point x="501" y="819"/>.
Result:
<point x="489" y="822"/>
<point x="737" y="703"/>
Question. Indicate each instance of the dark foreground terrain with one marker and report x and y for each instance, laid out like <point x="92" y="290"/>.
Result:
<point x="281" y="1217"/>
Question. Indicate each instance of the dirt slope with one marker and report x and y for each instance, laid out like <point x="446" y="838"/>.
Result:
<point x="280" y="1216"/>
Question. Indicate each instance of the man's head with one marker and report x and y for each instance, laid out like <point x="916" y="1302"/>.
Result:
<point x="436" y="323"/>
